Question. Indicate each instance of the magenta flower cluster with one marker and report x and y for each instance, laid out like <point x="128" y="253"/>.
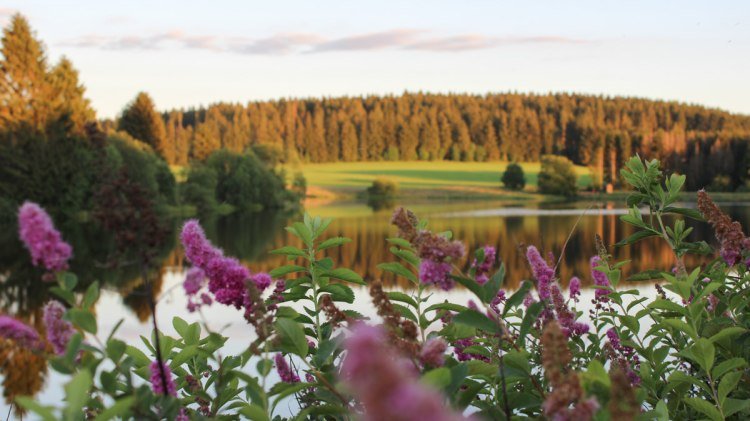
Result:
<point x="627" y="359"/>
<point x="285" y="372"/>
<point x="226" y="275"/>
<point x="541" y="271"/>
<point x="482" y="269"/>
<point x="38" y="233"/>
<point x="157" y="385"/>
<point x="433" y="352"/>
<point x="600" y="279"/>
<point x="59" y="331"/>
<point x="195" y="279"/>
<point x="565" y="315"/>
<point x="386" y="386"/>
<point x="433" y="272"/>
<point x="20" y="333"/>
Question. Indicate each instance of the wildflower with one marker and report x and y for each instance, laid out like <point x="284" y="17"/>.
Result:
<point x="284" y="371"/>
<point x="59" y="331"/>
<point x="198" y="250"/>
<point x="386" y="389"/>
<point x="262" y="280"/>
<point x="38" y="233"/>
<point x="461" y="344"/>
<point x="19" y="332"/>
<point x="438" y="273"/>
<point x="402" y="333"/>
<point x="309" y="378"/>
<point x="574" y="287"/>
<point x="623" y="356"/>
<point x="194" y="280"/>
<point x="482" y="269"/>
<point x="564" y="315"/>
<point x="728" y="232"/>
<point x="499" y="299"/>
<point x="600" y="279"/>
<point x="623" y="404"/>
<point x="182" y="416"/>
<point x="541" y="271"/>
<point x="433" y="352"/>
<point x="159" y="377"/>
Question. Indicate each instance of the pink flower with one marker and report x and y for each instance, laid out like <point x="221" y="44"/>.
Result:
<point x="482" y="269"/>
<point x="38" y="233"/>
<point x="198" y="250"/>
<point x="385" y="388"/>
<point x="284" y="371"/>
<point x="541" y="271"/>
<point x="600" y="279"/>
<point x="157" y="385"/>
<point x="19" y="332"/>
<point x="575" y="288"/>
<point x="432" y="272"/>
<point x="59" y="331"/>
<point x="262" y="280"/>
<point x="565" y="316"/>
<point x="182" y="416"/>
<point x="433" y="352"/>
<point x="194" y="280"/>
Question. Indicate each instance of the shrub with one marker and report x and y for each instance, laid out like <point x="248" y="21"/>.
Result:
<point x="557" y="176"/>
<point x="513" y="177"/>
<point x="382" y="188"/>
<point x="679" y="353"/>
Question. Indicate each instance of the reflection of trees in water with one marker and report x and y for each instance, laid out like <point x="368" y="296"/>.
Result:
<point x="369" y="246"/>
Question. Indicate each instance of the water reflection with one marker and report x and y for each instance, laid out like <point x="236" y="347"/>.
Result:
<point x="250" y="236"/>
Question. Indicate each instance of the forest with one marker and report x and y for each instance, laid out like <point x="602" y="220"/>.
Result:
<point x="708" y="145"/>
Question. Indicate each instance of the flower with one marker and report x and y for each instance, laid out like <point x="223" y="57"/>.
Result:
<point x="38" y="233"/>
<point x="432" y="272"/>
<point x="157" y="377"/>
<point x="194" y="280"/>
<point x="600" y="279"/>
<point x="565" y="316"/>
<point x="482" y="269"/>
<point x="19" y="332"/>
<point x="541" y="271"/>
<point x="460" y="345"/>
<point x="728" y="232"/>
<point x="499" y="299"/>
<point x="262" y="280"/>
<point x="284" y="371"/>
<point x="182" y="416"/>
<point x="574" y="288"/>
<point x="433" y="352"/>
<point x="384" y="385"/>
<point x="59" y="331"/>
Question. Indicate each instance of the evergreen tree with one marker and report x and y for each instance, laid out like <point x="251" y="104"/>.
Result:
<point x="141" y="121"/>
<point x="513" y="177"/>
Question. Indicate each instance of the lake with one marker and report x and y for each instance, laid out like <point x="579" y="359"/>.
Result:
<point x="250" y="236"/>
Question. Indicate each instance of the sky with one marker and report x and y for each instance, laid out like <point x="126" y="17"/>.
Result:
<point x="190" y="53"/>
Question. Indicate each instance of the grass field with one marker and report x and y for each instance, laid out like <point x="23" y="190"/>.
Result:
<point x="419" y="177"/>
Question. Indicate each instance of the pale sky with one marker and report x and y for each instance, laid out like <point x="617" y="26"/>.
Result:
<point x="188" y="53"/>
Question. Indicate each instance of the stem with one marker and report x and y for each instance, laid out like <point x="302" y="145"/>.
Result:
<point x="318" y="375"/>
<point x="157" y="342"/>
<point x="316" y="303"/>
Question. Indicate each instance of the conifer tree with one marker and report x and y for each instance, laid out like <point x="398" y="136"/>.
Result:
<point x="140" y="120"/>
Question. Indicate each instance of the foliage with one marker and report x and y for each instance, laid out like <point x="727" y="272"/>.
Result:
<point x="141" y="121"/>
<point x="513" y="177"/>
<point x="382" y="187"/>
<point x="680" y="354"/>
<point x="557" y="176"/>
<point x="243" y="181"/>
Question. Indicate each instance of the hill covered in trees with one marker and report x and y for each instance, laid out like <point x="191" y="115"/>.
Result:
<point x="709" y="145"/>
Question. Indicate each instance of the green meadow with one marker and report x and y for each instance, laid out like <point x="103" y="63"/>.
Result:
<point x="423" y="177"/>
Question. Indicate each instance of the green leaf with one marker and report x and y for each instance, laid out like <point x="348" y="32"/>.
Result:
<point x="347" y="275"/>
<point x="399" y="269"/>
<point x="83" y="319"/>
<point x="704" y="353"/>
<point x="180" y="326"/>
<point x="285" y="270"/>
<point x="477" y="320"/>
<point x="492" y="286"/>
<point x="438" y="378"/>
<point x="333" y="242"/>
<point x="184" y="356"/>
<point x="339" y="292"/>
<point x="532" y="313"/>
<point x="288" y="389"/>
<point x="92" y="294"/>
<point x="727" y="332"/>
<point x="66" y="295"/>
<point x="399" y="242"/>
<point x="118" y="410"/>
<point x="325" y="349"/>
<point x="303" y="232"/>
<point x="400" y="296"/>
<point x="407" y="255"/>
<point x="36" y="407"/>
<point x="517" y="297"/>
<point x="115" y="349"/>
<point x="704" y="407"/>
<point x="727" y="384"/>
<point x="445" y="306"/>
<point x="728" y="365"/>
<point x="289" y="251"/>
<point x="141" y="360"/>
<point x="733" y="406"/>
<point x="472" y="286"/>
<point x="293" y="339"/>
<point x="69" y="281"/>
<point x="254" y="412"/>
<point x="636" y="237"/>
<point x="77" y="394"/>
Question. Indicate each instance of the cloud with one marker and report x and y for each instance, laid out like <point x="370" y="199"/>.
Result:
<point x="291" y="43"/>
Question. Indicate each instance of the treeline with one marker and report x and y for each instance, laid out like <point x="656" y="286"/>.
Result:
<point x="601" y="132"/>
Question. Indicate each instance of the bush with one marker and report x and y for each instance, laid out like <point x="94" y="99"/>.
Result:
<point x="557" y="176"/>
<point x="513" y="177"/>
<point x="382" y="187"/>
<point x="199" y="189"/>
<point x="678" y="353"/>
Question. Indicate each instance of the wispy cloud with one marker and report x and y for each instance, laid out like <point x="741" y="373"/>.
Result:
<point x="291" y="43"/>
